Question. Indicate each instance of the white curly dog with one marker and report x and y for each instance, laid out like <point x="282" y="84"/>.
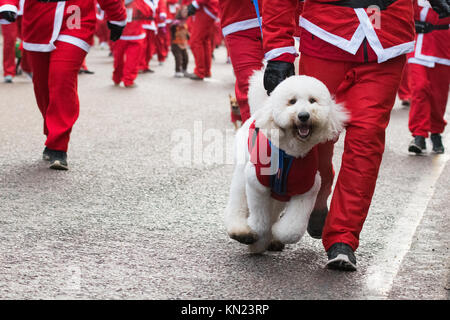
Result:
<point x="284" y="129"/>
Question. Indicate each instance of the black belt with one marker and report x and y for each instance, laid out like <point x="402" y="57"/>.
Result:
<point x="356" y="4"/>
<point x="425" y="27"/>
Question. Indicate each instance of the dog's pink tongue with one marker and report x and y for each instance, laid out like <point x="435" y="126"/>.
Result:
<point x="303" y="130"/>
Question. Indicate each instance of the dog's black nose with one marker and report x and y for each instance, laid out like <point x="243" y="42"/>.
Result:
<point x="303" y="116"/>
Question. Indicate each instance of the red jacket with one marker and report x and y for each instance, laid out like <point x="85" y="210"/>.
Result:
<point x="161" y="15"/>
<point x="432" y="47"/>
<point x="11" y="5"/>
<point x="389" y="33"/>
<point x="238" y="15"/>
<point x="150" y="24"/>
<point x="291" y="176"/>
<point x="210" y="7"/>
<point x="137" y="12"/>
<point x="72" y="21"/>
<point x="172" y="7"/>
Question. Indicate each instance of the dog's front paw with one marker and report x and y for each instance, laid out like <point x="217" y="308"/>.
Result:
<point x="284" y="235"/>
<point x="243" y="235"/>
<point x="260" y="246"/>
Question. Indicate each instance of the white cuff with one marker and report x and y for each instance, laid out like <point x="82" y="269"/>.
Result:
<point x="274" y="53"/>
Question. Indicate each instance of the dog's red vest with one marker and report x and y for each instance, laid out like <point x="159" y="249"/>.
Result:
<point x="285" y="175"/>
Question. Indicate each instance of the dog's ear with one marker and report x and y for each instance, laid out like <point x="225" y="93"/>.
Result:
<point x="337" y="119"/>
<point x="230" y="96"/>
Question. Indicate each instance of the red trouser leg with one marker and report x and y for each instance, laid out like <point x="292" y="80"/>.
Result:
<point x="148" y="50"/>
<point x="440" y="80"/>
<point x="332" y="80"/>
<point x="55" y="76"/>
<point x="246" y="53"/>
<point x="40" y="62"/>
<point x="404" y="92"/>
<point x="368" y="92"/>
<point x="132" y="53"/>
<point x="419" y="112"/>
<point x="9" y="32"/>
<point x="119" y="60"/>
<point x="201" y="43"/>
<point x="161" y="45"/>
<point x="24" y="63"/>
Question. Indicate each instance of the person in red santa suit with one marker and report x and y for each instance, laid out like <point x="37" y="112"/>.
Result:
<point x="128" y="49"/>
<point x="429" y="69"/>
<point x="404" y="92"/>
<point x="242" y="34"/>
<point x="101" y="28"/>
<point x="56" y="35"/>
<point x="171" y="9"/>
<point x="205" y="13"/>
<point x="150" y="39"/>
<point x="162" y="46"/>
<point x="11" y="31"/>
<point x="358" y="49"/>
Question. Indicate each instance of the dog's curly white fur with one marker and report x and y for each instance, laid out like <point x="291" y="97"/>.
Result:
<point x="252" y="216"/>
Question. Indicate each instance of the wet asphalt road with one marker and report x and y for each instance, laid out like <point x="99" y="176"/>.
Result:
<point x="127" y="223"/>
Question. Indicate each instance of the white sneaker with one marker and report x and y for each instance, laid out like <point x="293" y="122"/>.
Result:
<point x="8" y="79"/>
<point x="179" y="74"/>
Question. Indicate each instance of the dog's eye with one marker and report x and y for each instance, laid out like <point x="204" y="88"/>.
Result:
<point x="292" y="101"/>
<point x="312" y="100"/>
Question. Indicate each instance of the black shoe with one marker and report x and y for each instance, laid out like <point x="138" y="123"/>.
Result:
<point x="85" y="71"/>
<point x="316" y="223"/>
<point x="148" y="70"/>
<point x="436" y="139"/>
<point x="341" y="257"/>
<point x="417" y="145"/>
<point x="58" y="160"/>
<point x="195" y="77"/>
<point x="406" y="103"/>
<point x="46" y="154"/>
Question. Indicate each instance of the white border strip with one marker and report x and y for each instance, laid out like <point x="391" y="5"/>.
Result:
<point x="274" y="53"/>
<point x="138" y="37"/>
<point x="240" y="25"/>
<point x="351" y="45"/>
<point x="75" y="41"/>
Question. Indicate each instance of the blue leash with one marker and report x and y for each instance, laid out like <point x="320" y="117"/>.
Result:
<point x="255" y="3"/>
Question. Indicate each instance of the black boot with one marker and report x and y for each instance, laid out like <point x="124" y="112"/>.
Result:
<point x="341" y="257"/>
<point x="417" y="145"/>
<point x="58" y="159"/>
<point x="46" y="154"/>
<point x="316" y="223"/>
<point x="436" y="139"/>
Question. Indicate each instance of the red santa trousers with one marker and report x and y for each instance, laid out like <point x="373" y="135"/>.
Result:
<point x="127" y="54"/>
<point x="201" y="43"/>
<point x="55" y="80"/>
<point x="404" y="92"/>
<point x="102" y="31"/>
<point x="162" y="46"/>
<point x="24" y="63"/>
<point x="10" y="33"/>
<point x="368" y="91"/>
<point x="429" y="98"/>
<point x="246" y="54"/>
<point x="149" y="49"/>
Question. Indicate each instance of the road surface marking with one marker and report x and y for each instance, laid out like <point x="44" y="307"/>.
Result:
<point x="381" y="274"/>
